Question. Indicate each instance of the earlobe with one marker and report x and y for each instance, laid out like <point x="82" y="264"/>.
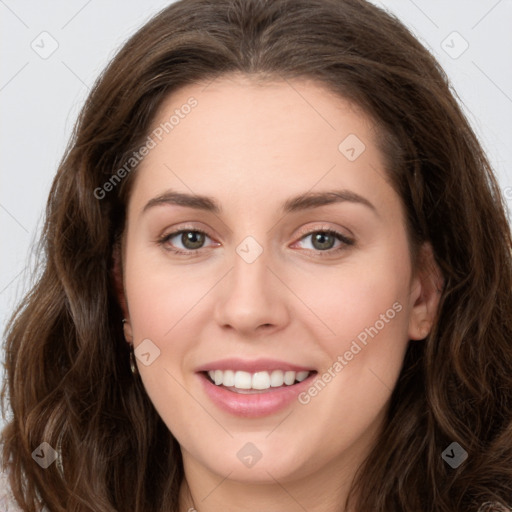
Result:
<point x="430" y="280"/>
<point x="424" y="330"/>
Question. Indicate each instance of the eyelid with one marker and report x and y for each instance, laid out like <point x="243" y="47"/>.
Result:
<point x="184" y="227"/>
<point x="323" y="227"/>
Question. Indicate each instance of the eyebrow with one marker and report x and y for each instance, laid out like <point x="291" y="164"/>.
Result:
<point x="306" y="201"/>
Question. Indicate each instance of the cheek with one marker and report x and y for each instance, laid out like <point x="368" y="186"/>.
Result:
<point x="160" y="294"/>
<point x="361" y="322"/>
<point x="362" y="301"/>
<point x="168" y="305"/>
<point x="161" y="302"/>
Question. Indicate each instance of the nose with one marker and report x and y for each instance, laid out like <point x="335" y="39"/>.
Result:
<point x="252" y="298"/>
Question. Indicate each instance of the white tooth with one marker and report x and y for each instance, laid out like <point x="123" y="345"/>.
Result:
<point x="276" y="378"/>
<point x="261" y="380"/>
<point x="289" y="378"/>
<point x="228" y="378"/>
<point x="243" y="380"/>
<point x="301" y="376"/>
<point x="218" y="377"/>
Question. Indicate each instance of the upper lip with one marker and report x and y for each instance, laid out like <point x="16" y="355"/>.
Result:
<point x="256" y="365"/>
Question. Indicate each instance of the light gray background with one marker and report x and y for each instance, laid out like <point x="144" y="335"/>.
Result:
<point x="41" y="97"/>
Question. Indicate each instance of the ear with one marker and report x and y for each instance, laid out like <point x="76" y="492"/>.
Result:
<point x="117" y="277"/>
<point x="426" y="289"/>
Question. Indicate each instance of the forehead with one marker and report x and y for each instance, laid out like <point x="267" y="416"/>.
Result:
<point x="245" y="138"/>
<point x="238" y="107"/>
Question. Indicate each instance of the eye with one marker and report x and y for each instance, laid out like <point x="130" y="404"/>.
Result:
<point x="191" y="240"/>
<point x="323" y="240"/>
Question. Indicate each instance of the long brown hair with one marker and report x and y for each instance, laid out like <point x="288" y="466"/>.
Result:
<point x="68" y="377"/>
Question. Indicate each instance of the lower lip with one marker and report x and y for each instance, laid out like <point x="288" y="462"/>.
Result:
<point x="255" y="404"/>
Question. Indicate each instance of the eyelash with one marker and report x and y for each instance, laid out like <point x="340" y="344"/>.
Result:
<point x="346" y="242"/>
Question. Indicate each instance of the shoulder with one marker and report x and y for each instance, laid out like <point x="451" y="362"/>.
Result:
<point x="7" y="501"/>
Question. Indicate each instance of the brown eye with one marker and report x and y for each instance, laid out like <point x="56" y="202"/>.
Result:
<point x="191" y="240"/>
<point x="324" y="240"/>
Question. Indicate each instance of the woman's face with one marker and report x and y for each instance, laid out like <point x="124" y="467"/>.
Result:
<point x="266" y="288"/>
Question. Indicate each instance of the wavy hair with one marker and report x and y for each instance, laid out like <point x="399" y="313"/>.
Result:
<point x="68" y="380"/>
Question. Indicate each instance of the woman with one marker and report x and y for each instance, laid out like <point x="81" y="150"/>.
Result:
<point x="277" y="277"/>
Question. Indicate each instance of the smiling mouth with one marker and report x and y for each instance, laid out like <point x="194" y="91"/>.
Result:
<point x="258" y="382"/>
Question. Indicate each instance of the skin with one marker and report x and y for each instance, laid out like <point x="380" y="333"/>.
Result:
<point x="252" y="146"/>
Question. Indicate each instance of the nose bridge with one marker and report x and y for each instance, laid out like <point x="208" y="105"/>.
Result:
<point x="251" y="297"/>
<point x="250" y="266"/>
<point x="250" y="276"/>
